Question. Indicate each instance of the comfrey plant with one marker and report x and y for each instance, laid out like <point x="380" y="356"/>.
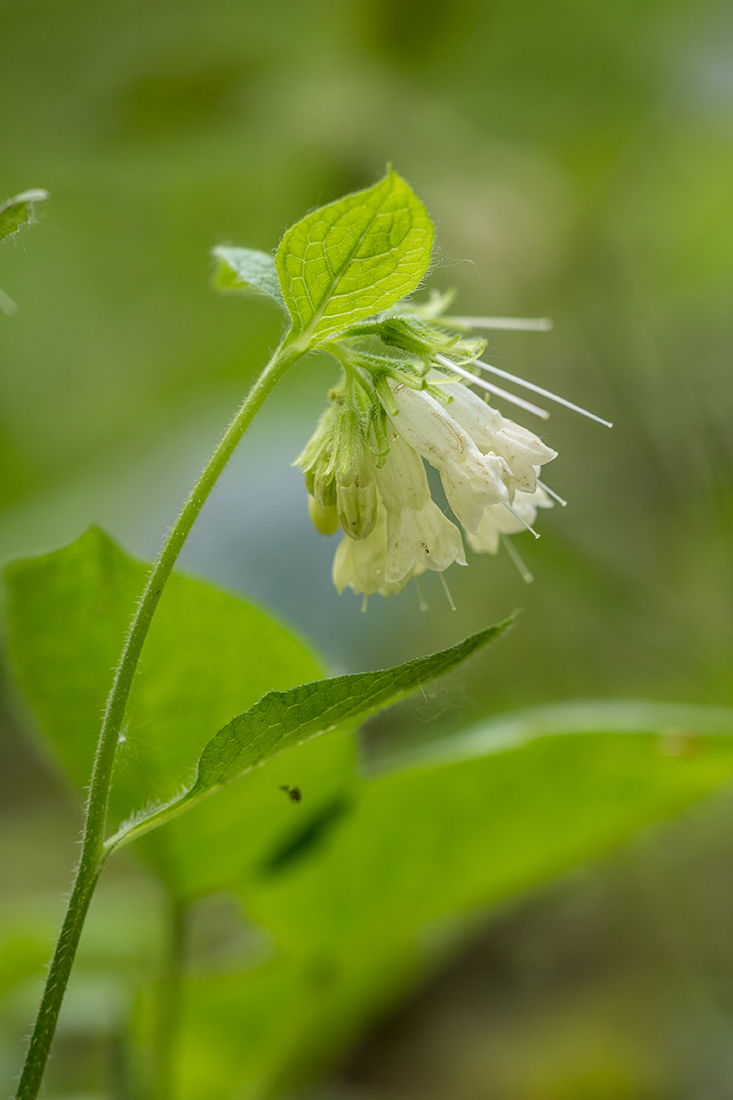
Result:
<point x="405" y="396"/>
<point x="343" y="276"/>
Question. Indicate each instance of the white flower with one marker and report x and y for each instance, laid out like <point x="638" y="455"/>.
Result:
<point x="493" y="433"/>
<point x="417" y="531"/>
<point x="472" y="481"/>
<point x="498" y="520"/>
<point x="362" y="565"/>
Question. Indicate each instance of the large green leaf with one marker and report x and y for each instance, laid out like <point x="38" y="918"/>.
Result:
<point x="209" y="655"/>
<point x="354" y="257"/>
<point x="359" y="881"/>
<point x="464" y="825"/>
<point x="283" y="720"/>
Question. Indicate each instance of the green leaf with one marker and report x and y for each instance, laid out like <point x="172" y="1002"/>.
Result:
<point x="18" y="211"/>
<point x="208" y="656"/>
<point x="282" y="720"/>
<point x="671" y="720"/>
<point x="247" y="271"/>
<point x="426" y="849"/>
<point x="354" y="257"/>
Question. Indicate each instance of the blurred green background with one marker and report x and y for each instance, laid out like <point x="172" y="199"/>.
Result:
<point x="577" y="158"/>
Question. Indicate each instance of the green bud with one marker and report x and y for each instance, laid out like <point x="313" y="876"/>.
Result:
<point x="323" y="517"/>
<point x="317" y="458"/>
<point x="357" y="508"/>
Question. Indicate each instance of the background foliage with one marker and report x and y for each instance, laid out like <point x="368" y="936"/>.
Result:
<point x="579" y="156"/>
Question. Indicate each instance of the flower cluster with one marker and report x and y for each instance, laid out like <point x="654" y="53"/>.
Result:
<point x="405" y="397"/>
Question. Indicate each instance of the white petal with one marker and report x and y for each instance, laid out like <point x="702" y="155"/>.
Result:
<point x="521" y="449"/>
<point x="424" y="538"/>
<point x="472" y="481"/>
<point x="402" y="479"/>
<point x="418" y="534"/>
<point x="362" y="565"/>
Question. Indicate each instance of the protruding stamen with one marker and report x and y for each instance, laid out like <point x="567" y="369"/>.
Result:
<point x="421" y="594"/>
<point x="544" y="393"/>
<point x="551" y="493"/>
<point x="446" y="589"/>
<point x="522" y="521"/>
<point x="516" y="558"/>
<point x="364" y="603"/>
<point x="490" y="388"/>
<point x="519" y="324"/>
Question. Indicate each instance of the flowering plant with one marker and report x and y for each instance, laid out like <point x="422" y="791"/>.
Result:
<point x="228" y="760"/>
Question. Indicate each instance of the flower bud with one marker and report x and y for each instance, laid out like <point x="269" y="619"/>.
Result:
<point x="356" y="491"/>
<point x="324" y="517"/>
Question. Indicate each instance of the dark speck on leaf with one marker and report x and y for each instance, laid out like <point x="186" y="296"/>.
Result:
<point x="293" y="793"/>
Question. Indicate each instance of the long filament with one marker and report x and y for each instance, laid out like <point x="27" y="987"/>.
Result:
<point x="522" y="521"/>
<point x="519" y="324"/>
<point x="551" y="493"/>
<point x="490" y="388"/>
<point x="514" y="554"/>
<point x="446" y="589"/>
<point x="421" y="595"/>
<point x="544" y="393"/>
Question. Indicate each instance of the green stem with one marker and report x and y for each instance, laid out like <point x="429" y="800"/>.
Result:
<point x="93" y="855"/>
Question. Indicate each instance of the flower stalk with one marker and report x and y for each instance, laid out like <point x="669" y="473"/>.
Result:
<point x="93" y="854"/>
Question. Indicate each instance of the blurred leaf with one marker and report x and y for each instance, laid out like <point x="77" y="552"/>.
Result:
<point x="354" y="257"/>
<point x="283" y="720"/>
<point x="420" y="853"/>
<point x="247" y="271"/>
<point x="23" y="952"/>
<point x="18" y="211"/>
<point x="208" y="656"/>
<point x="677" y="723"/>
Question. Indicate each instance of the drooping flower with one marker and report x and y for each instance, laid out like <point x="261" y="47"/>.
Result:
<point x="405" y="397"/>
<point x="493" y="433"/>
<point x="417" y="531"/>
<point x="472" y="481"/>
<point x="362" y="564"/>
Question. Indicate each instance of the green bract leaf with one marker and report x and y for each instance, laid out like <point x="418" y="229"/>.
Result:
<point x="282" y="720"/>
<point x="247" y="271"/>
<point x="354" y="257"/>
<point x="19" y="210"/>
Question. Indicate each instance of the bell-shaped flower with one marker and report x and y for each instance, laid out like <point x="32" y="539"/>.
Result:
<point x="493" y="433"/>
<point x="498" y="520"/>
<point x="417" y="531"/>
<point x="362" y="565"/>
<point x="472" y="481"/>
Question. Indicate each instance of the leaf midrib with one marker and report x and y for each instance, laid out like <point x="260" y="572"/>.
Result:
<point x="319" y="314"/>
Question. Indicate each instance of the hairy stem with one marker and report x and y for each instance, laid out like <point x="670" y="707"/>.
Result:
<point x="93" y="855"/>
